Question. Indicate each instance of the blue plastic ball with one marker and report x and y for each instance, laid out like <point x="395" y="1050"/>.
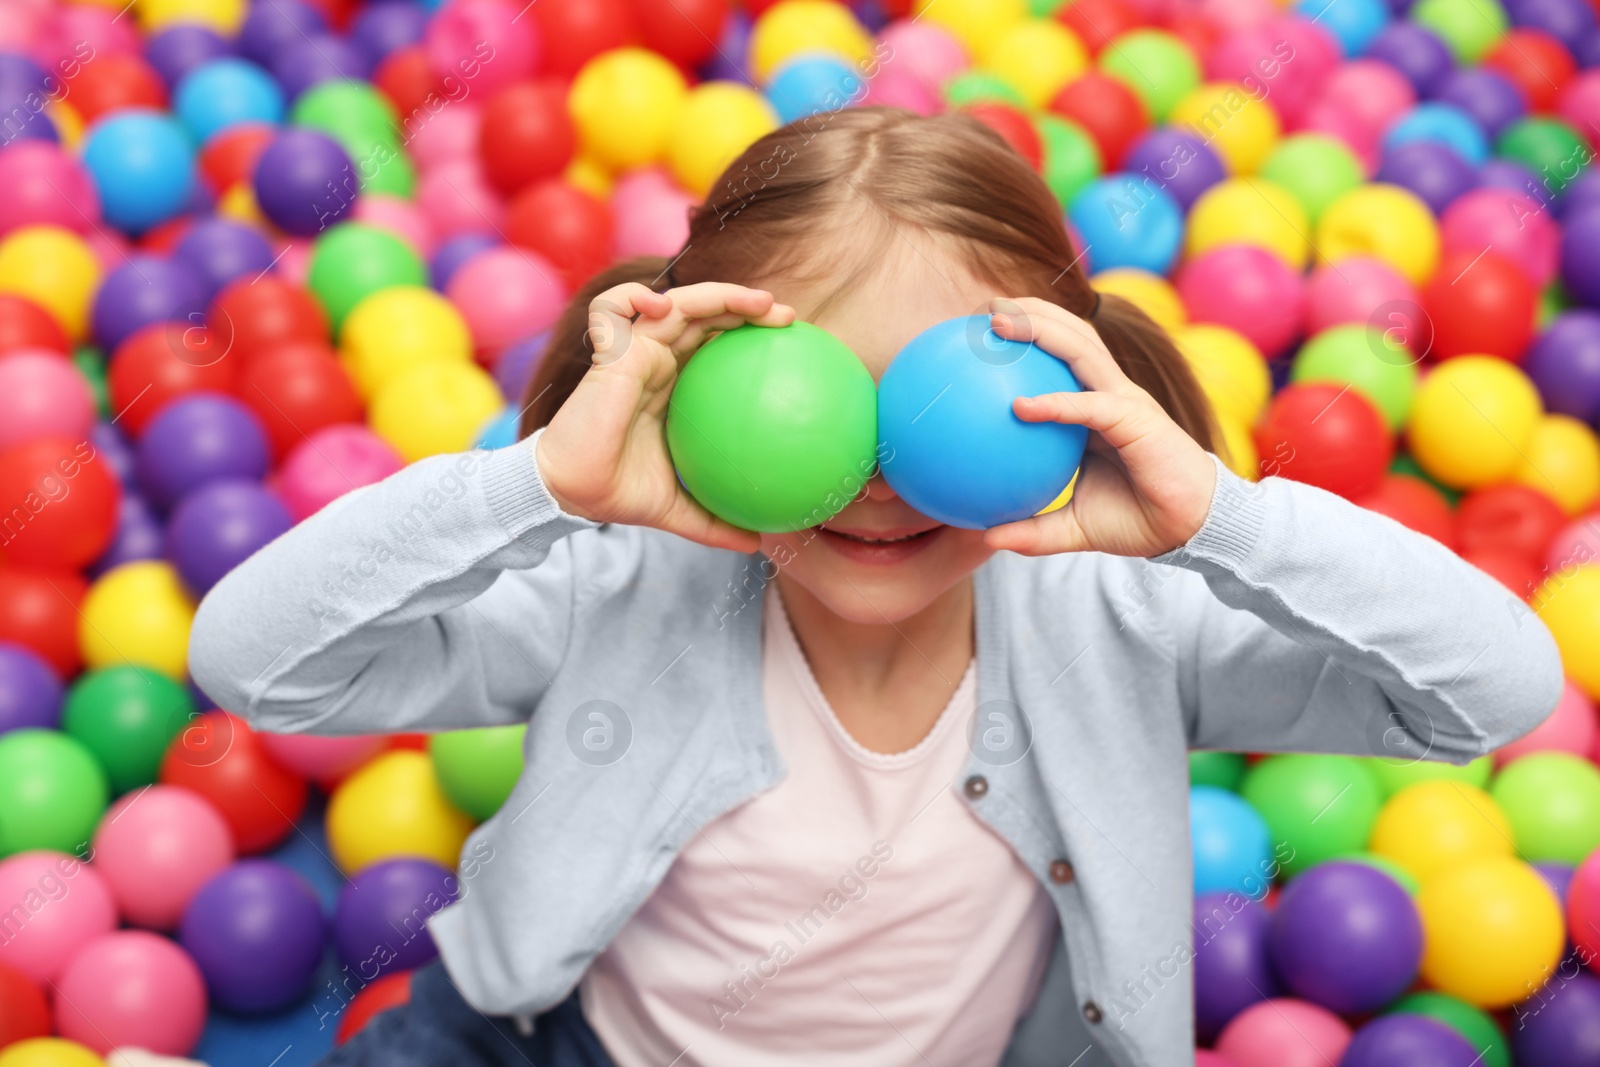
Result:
<point x="225" y="92"/>
<point x="500" y="431"/>
<point x="1353" y="23"/>
<point x="1232" y="846"/>
<point x="1443" y="124"/>
<point x="142" y="164"/>
<point x="1127" y="220"/>
<point x="810" y="84"/>
<point x="948" y="441"/>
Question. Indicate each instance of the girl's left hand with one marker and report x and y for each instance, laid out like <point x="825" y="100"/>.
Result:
<point x="1145" y="485"/>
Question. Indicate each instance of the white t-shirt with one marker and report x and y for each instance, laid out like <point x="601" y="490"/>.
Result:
<point x="857" y="913"/>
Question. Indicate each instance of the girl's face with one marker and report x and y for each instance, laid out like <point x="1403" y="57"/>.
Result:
<point x="879" y="561"/>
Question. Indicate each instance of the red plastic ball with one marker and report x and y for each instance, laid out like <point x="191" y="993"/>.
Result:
<point x="162" y="239"/>
<point x="1514" y="519"/>
<point x="685" y="31"/>
<point x="1014" y="126"/>
<point x="1536" y="63"/>
<point x="39" y="611"/>
<point x="251" y="317"/>
<point x="390" y="991"/>
<point x="62" y="499"/>
<point x="160" y="363"/>
<point x="407" y="78"/>
<point x="565" y="225"/>
<point x="24" y="1012"/>
<point x="113" y="82"/>
<point x="1098" y="22"/>
<point x="24" y="324"/>
<point x="1413" y="502"/>
<point x="1521" y="576"/>
<point x="296" y="390"/>
<point x="220" y="757"/>
<point x="230" y="156"/>
<point x="579" y="30"/>
<point x="1107" y="109"/>
<point x="1480" y="303"/>
<point x="526" y="134"/>
<point x="1325" y="435"/>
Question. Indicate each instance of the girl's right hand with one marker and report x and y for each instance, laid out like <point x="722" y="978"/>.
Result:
<point x="604" y="455"/>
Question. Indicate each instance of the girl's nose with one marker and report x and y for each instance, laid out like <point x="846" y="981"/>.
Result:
<point x="878" y="489"/>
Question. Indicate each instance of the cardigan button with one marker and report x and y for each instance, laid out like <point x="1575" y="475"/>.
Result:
<point x="1092" y="1012"/>
<point x="976" y="787"/>
<point x="1061" y="872"/>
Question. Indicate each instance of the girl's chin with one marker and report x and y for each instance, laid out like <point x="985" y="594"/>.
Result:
<point x="878" y="553"/>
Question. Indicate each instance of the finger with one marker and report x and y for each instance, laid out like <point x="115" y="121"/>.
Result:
<point x="704" y="300"/>
<point x="1040" y="535"/>
<point x="612" y="314"/>
<point x="1121" y="420"/>
<point x="1065" y="336"/>
<point x="689" y="520"/>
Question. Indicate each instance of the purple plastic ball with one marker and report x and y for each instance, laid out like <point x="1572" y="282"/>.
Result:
<point x="450" y="256"/>
<point x="1409" y="1041"/>
<point x="385" y="26"/>
<point x="1560" y="1026"/>
<point x="201" y="438"/>
<point x="221" y="250"/>
<point x="1431" y="170"/>
<point x="1488" y="96"/>
<point x="516" y="365"/>
<point x="1181" y="162"/>
<point x="184" y="48"/>
<point x="1417" y="53"/>
<point x="30" y="692"/>
<point x="1568" y="21"/>
<point x="380" y="922"/>
<point x="143" y="290"/>
<point x="1558" y="876"/>
<point x="1509" y="174"/>
<point x="316" y="59"/>
<point x="1580" y="256"/>
<point x="272" y="25"/>
<point x="735" y="42"/>
<point x="24" y="89"/>
<point x="305" y="182"/>
<point x="255" y="930"/>
<point x="138" y="535"/>
<point x="1581" y="196"/>
<point x="114" y="448"/>
<point x="219" y="526"/>
<point x="1346" y="936"/>
<point x="1231" y="967"/>
<point x="1564" y="363"/>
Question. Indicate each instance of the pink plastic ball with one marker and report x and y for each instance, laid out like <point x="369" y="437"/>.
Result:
<point x="1330" y="118"/>
<point x="450" y="133"/>
<point x="1576" y="544"/>
<point x="321" y="757"/>
<point x="135" y="989"/>
<point x="650" y="215"/>
<point x="1514" y="225"/>
<point x="329" y="464"/>
<point x="1204" y="1057"/>
<point x="399" y="217"/>
<point x="1232" y="16"/>
<point x="1374" y="94"/>
<point x="1352" y="290"/>
<point x="933" y="54"/>
<point x="1255" y="57"/>
<point x="1284" y="1033"/>
<point x="42" y="395"/>
<point x="1247" y="289"/>
<point x="294" y="260"/>
<point x="507" y="294"/>
<point x="1579" y="104"/>
<point x="45" y="186"/>
<point x="457" y="199"/>
<point x="65" y="905"/>
<point x="22" y="28"/>
<point x="79" y="31"/>
<point x="1570" y="728"/>
<point x="899" y="87"/>
<point x="156" y="848"/>
<point x="461" y="31"/>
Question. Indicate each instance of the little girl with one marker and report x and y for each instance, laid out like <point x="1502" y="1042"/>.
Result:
<point x="882" y="792"/>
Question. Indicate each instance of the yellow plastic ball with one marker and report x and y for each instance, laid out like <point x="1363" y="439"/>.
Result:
<point x="1064" y="497"/>
<point x="1150" y="293"/>
<point x="624" y="103"/>
<point x="1438" y="825"/>
<point x="1230" y="369"/>
<point x="1384" y="221"/>
<point x="719" y="120"/>
<point x="1236" y="447"/>
<point x="48" y="1052"/>
<point x="1241" y="129"/>
<point x="224" y="16"/>
<point x="392" y="807"/>
<point x="67" y="121"/>
<point x="137" y="613"/>
<point x="1491" y="929"/>
<point x="1569" y="604"/>
<point x="793" y="27"/>
<point x="1562" y="461"/>
<point x="1472" y="420"/>
<point x="399" y="328"/>
<point x="54" y="268"/>
<point x="435" y="407"/>
<point x="975" y="23"/>
<point x="587" y="174"/>
<point x="1037" y="58"/>
<point x="239" y="204"/>
<point x="1251" y="211"/>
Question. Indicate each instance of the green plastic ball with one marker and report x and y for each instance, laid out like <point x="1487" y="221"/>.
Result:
<point x="1553" y="300"/>
<point x="1225" y="770"/>
<point x="1553" y="150"/>
<point x="979" y="86"/>
<point x="1355" y="355"/>
<point x="1553" y="802"/>
<point x="1042" y="9"/>
<point x="127" y="717"/>
<point x="1481" y="1031"/>
<point x="1393" y="775"/>
<point x="1469" y="28"/>
<point x="477" y="768"/>
<point x="1315" y="169"/>
<point x="1404" y="463"/>
<point x="1071" y="158"/>
<point x="1319" y="806"/>
<point x="347" y="111"/>
<point x="1158" y="67"/>
<point x="52" y="792"/>
<point x="774" y="429"/>
<point x="1404" y="878"/>
<point x="352" y="261"/>
<point x="91" y="363"/>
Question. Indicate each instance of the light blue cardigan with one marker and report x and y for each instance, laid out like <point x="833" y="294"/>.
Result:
<point x="457" y="594"/>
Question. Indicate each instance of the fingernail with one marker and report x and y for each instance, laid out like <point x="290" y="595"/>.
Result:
<point x="999" y="320"/>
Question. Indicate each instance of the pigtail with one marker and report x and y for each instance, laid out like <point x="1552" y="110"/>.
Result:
<point x="1148" y="356"/>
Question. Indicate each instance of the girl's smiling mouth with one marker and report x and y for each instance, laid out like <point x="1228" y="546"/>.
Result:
<point x="881" y="546"/>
